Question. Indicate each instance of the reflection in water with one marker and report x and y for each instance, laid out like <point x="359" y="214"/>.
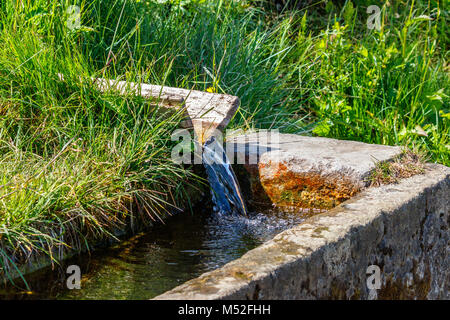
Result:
<point x="152" y="263"/>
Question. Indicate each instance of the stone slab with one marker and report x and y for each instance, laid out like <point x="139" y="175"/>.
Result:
<point x="301" y="171"/>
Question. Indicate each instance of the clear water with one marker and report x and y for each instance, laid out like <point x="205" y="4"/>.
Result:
<point x="152" y="263"/>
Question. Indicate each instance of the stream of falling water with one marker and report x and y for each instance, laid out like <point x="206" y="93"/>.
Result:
<point x="225" y="191"/>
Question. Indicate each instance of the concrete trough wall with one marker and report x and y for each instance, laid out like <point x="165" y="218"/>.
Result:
<point x="401" y="228"/>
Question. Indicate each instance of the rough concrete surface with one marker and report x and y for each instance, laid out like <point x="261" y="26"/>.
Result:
<point x="300" y="171"/>
<point x="402" y="228"/>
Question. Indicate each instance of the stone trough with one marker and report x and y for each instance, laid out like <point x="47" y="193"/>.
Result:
<point x="399" y="230"/>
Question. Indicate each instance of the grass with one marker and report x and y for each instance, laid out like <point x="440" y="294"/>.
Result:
<point x="77" y="165"/>
<point x="387" y="87"/>
<point x="405" y="165"/>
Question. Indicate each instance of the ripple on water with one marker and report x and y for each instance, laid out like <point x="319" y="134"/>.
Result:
<point x="185" y="247"/>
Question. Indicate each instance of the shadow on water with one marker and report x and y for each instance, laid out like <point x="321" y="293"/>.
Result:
<point x="152" y="263"/>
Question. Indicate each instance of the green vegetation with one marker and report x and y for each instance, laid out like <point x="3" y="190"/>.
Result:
<point x="75" y="164"/>
<point x="407" y="164"/>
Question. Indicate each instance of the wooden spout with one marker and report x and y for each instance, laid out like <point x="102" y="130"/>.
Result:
<point x="205" y="112"/>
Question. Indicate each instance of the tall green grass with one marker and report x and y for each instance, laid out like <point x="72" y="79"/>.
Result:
<point x="387" y="86"/>
<point x="77" y="165"/>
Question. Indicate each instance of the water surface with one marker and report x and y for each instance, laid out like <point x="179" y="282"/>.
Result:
<point x="165" y="257"/>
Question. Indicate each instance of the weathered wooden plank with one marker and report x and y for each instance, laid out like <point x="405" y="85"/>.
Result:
<point x="205" y="111"/>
